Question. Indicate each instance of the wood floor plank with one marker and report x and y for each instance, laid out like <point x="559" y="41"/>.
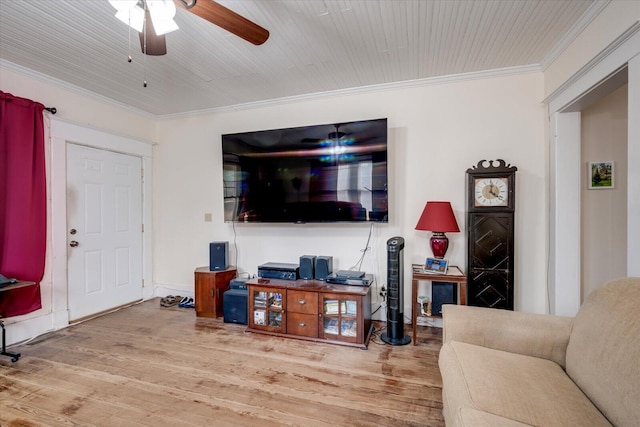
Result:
<point x="146" y="365"/>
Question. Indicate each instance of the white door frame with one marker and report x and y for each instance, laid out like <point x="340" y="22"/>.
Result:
<point x="564" y="148"/>
<point x="62" y="132"/>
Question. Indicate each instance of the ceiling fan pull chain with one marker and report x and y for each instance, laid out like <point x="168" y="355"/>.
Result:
<point x="144" y="66"/>
<point x="144" y="60"/>
<point x="129" y="48"/>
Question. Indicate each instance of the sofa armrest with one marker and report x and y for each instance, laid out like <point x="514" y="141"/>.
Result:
<point x="538" y="335"/>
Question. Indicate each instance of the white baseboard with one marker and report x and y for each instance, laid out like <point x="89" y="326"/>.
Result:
<point x="162" y="290"/>
<point x="27" y="329"/>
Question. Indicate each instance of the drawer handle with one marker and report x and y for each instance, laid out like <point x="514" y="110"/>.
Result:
<point x="301" y="302"/>
<point x="302" y="324"/>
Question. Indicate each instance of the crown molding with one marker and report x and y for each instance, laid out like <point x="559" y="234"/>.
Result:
<point x="594" y="62"/>
<point x="430" y="81"/>
<point x="72" y="88"/>
<point x="576" y="29"/>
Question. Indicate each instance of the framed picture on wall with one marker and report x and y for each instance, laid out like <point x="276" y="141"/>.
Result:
<point x="601" y="175"/>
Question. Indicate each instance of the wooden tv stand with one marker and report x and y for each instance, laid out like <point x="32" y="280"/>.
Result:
<point x="311" y="310"/>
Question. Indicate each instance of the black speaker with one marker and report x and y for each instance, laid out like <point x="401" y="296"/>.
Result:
<point x="442" y="293"/>
<point x="235" y="306"/>
<point x="218" y="256"/>
<point x="323" y="267"/>
<point x="395" y="294"/>
<point x="307" y="263"/>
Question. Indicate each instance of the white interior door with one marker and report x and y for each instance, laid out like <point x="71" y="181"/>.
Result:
<point x="104" y="221"/>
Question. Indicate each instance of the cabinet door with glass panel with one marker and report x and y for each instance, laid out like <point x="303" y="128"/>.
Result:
<point x="341" y="318"/>
<point x="266" y="309"/>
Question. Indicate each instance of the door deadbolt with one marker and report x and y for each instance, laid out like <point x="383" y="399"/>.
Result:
<point x="72" y="231"/>
<point x="73" y="243"/>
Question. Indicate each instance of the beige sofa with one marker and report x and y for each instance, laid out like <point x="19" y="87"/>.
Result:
<point x="504" y="368"/>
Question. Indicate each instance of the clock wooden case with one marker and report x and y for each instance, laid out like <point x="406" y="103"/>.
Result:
<point x="490" y="234"/>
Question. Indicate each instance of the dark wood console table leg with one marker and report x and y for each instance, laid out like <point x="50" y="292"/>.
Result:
<point x="14" y="356"/>
<point x="414" y="312"/>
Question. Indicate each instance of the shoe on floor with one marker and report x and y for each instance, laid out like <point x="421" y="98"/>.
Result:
<point x="170" y="301"/>
<point x="187" y="302"/>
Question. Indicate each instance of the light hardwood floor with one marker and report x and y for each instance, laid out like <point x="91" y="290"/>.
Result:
<point x="153" y="366"/>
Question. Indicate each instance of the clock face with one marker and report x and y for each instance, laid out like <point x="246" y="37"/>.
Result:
<point x="491" y="192"/>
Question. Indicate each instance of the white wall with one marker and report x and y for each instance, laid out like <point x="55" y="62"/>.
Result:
<point x="88" y="110"/>
<point x="76" y="105"/>
<point x="604" y="212"/>
<point x="633" y="169"/>
<point x="436" y="133"/>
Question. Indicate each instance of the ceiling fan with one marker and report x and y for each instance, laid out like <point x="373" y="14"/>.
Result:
<point x="332" y="136"/>
<point x="154" y="18"/>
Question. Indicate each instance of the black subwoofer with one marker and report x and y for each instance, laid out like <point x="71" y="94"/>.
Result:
<point x="235" y="306"/>
<point x="442" y="293"/>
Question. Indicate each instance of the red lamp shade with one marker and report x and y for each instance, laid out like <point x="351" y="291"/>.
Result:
<point x="439" y="218"/>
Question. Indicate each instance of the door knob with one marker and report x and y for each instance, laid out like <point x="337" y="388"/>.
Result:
<point x="73" y="243"/>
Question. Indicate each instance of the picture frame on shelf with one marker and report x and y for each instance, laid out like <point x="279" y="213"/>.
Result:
<point x="601" y="175"/>
<point x="436" y="265"/>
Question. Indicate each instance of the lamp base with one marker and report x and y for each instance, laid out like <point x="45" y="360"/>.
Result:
<point x="439" y="244"/>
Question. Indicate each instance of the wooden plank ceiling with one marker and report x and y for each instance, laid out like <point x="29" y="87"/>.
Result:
<point x="315" y="46"/>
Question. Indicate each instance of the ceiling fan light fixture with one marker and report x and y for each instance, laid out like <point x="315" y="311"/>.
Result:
<point x="133" y="17"/>
<point x="132" y="13"/>
<point x="164" y="26"/>
<point x="129" y="12"/>
<point x="123" y="4"/>
<point x="162" y="13"/>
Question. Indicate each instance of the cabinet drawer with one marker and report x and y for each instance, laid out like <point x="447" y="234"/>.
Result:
<point x="305" y="325"/>
<point x="302" y="302"/>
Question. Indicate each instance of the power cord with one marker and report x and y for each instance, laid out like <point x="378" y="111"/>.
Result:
<point x="358" y="265"/>
<point x="375" y="336"/>
<point x="235" y="243"/>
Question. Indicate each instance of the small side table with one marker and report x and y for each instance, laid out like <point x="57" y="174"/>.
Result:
<point x="209" y="289"/>
<point x="14" y="356"/>
<point x="453" y="275"/>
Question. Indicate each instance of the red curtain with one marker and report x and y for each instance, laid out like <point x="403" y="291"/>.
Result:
<point x="23" y="203"/>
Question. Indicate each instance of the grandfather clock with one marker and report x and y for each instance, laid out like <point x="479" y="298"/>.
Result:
<point x="490" y="234"/>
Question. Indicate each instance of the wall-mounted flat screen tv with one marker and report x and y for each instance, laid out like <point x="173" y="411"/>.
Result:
<point x="325" y="173"/>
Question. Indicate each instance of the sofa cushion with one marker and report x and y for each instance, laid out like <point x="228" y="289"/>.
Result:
<point x="475" y="418"/>
<point x="522" y="388"/>
<point x="530" y="334"/>
<point x="603" y="355"/>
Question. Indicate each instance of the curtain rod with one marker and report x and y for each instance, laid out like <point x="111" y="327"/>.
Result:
<point x="52" y="110"/>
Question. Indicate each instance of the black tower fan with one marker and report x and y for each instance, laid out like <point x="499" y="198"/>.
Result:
<point x="395" y="293"/>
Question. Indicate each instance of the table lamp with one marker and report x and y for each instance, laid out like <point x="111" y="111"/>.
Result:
<point x="438" y="217"/>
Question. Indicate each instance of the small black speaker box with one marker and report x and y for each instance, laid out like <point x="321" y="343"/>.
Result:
<point x="323" y="267"/>
<point x="235" y="306"/>
<point x="442" y="293"/>
<point x="307" y="266"/>
<point x="218" y="256"/>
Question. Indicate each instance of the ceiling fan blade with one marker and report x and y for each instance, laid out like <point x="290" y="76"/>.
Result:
<point x="225" y="18"/>
<point x="155" y="45"/>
